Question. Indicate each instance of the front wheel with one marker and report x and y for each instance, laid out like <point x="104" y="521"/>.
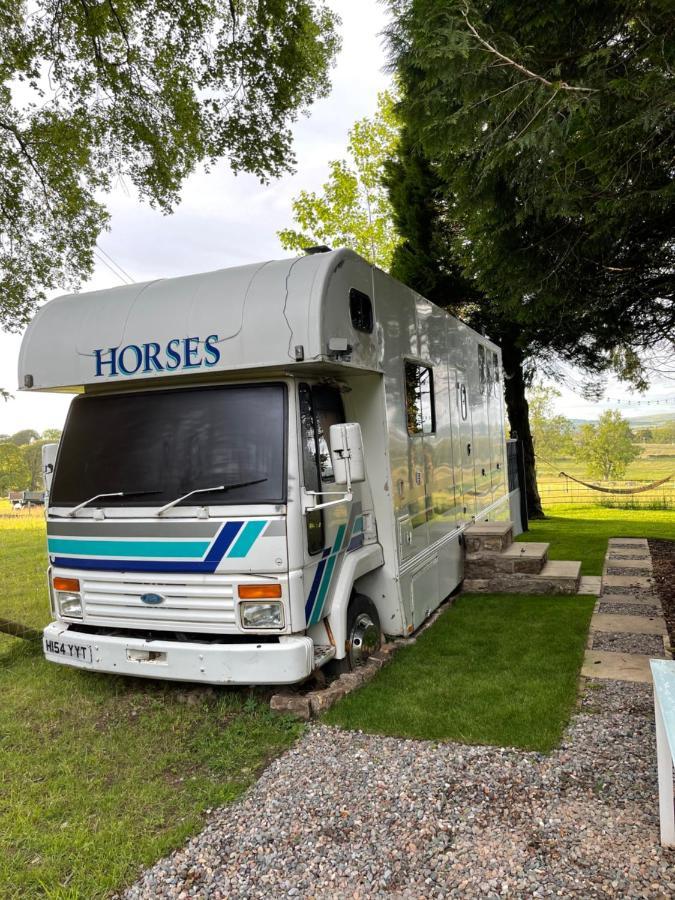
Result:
<point x="364" y="635"/>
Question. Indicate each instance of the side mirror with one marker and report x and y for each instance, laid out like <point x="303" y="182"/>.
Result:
<point x="346" y="451"/>
<point x="49" y="452"/>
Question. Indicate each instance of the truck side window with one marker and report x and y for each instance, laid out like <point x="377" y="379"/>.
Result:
<point x="419" y="398"/>
<point x="361" y="311"/>
<point x="310" y="467"/>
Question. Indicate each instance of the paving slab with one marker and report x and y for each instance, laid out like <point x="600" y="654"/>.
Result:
<point x="628" y="624"/>
<point x="629" y="542"/>
<point x="626" y="582"/>
<point x="616" y="666"/>
<point x="590" y="584"/>
<point x="628" y="566"/>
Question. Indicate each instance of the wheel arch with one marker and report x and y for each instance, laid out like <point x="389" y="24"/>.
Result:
<point x="355" y="565"/>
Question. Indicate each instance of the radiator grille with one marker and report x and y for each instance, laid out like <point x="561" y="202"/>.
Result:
<point x="191" y="602"/>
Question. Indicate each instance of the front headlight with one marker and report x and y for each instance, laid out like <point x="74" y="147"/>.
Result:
<point x="261" y="615"/>
<point x="69" y="604"/>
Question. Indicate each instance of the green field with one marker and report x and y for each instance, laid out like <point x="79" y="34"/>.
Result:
<point x="655" y="462"/>
<point x="100" y="775"/>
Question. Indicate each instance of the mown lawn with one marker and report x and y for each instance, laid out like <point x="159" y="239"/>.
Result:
<point x="582" y="532"/>
<point x="494" y="669"/>
<point x="101" y="775"/>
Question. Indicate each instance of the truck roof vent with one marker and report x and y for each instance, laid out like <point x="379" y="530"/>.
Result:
<point x="320" y="248"/>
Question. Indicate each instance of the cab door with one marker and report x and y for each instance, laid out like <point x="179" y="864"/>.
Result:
<point x="328" y="532"/>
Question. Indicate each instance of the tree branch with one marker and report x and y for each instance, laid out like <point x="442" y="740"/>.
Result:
<point x="558" y="85"/>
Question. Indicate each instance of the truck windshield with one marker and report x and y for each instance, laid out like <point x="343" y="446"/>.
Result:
<point x="173" y="443"/>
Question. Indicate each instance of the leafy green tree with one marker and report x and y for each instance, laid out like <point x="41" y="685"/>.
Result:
<point x="51" y="434"/>
<point x="552" y="434"/>
<point x="644" y="435"/>
<point x="94" y="92"/>
<point x="606" y="448"/>
<point x="546" y="131"/>
<point x="26" y="436"/>
<point x="665" y="434"/>
<point x="14" y="474"/>
<point x="354" y="209"/>
<point x="32" y="456"/>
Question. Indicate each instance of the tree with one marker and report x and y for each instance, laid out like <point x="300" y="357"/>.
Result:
<point x="606" y="448"/>
<point x="353" y="209"/>
<point x="96" y="92"/>
<point x="664" y="434"/>
<point x="26" y="436"/>
<point x="51" y="434"/>
<point x="545" y="129"/>
<point x="14" y="475"/>
<point x="552" y="434"/>
<point x="32" y="457"/>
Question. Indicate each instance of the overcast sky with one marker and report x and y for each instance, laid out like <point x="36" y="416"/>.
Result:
<point x="225" y="220"/>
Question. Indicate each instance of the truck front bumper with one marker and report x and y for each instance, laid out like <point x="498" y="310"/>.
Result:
<point x="286" y="662"/>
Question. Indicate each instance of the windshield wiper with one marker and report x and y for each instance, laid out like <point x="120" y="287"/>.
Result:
<point x="112" y="494"/>
<point x="208" y="490"/>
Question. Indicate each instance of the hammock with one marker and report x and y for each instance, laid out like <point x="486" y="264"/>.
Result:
<point x="636" y="490"/>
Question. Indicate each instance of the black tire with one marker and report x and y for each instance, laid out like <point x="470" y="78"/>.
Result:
<point x="364" y="635"/>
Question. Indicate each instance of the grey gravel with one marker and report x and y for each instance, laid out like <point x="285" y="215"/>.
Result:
<point x="345" y="814"/>
<point x="647" y="644"/>
<point x="629" y="609"/>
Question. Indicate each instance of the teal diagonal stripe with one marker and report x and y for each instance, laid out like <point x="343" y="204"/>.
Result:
<point x="246" y="539"/>
<point x="145" y="549"/>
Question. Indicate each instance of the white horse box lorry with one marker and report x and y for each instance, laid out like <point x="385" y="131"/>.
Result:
<point x="264" y="469"/>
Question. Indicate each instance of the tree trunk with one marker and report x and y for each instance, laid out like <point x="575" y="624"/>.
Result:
<point x="20" y="631"/>
<point x="519" y="419"/>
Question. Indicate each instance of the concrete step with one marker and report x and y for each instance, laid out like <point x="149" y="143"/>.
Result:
<point x="490" y="536"/>
<point x="557" y="577"/>
<point x="529" y="558"/>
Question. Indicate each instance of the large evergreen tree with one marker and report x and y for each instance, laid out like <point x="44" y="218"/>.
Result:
<point x="547" y="130"/>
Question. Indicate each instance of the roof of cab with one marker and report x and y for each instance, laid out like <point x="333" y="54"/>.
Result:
<point x="239" y="318"/>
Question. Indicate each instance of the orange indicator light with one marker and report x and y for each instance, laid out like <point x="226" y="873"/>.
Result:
<point x="66" y="584"/>
<point x="259" y="591"/>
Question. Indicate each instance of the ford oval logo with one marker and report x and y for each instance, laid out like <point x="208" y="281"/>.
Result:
<point x="152" y="599"/>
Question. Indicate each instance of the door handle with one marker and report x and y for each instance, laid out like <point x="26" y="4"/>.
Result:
<point x="468" y="449"/>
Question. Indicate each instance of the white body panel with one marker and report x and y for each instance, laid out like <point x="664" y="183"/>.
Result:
<point x="397" y="540"/>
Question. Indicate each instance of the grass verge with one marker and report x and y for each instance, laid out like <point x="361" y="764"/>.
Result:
<point x="582" y="532"/>
<point x="100" y="775"/>
<point x="494" y="669"/>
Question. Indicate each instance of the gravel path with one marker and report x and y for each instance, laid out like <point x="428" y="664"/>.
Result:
<point x="647" y="644"/>
<point x="629" y="609"/>
<point x="346" y="814"/>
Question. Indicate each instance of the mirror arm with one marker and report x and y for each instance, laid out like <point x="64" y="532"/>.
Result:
<point x="344" y="498"/>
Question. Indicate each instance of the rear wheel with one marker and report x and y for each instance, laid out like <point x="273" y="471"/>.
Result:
<point x="364" y="635"/>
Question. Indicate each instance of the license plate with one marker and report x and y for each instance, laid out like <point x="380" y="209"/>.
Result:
<point x="68" y="649"/>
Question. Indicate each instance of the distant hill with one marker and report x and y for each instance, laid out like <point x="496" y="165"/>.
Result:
<point x="636" y="422"/>
<point x="655" y="419"/>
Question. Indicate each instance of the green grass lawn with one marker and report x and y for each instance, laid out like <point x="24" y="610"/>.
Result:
<point x="582" y="532"/>
<point x="100" y="775"/>
<point x="494" y="669"/>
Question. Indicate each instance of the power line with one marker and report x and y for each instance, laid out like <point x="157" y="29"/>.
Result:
<point x="113" y="266"/>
